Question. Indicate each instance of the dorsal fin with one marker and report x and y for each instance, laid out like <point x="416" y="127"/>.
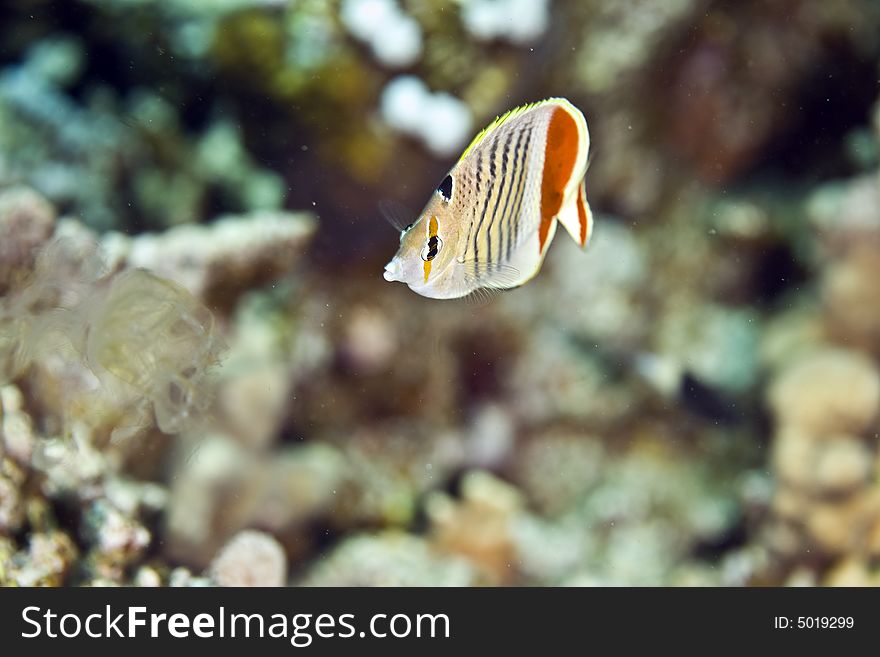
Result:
<point x="501" y="120"/>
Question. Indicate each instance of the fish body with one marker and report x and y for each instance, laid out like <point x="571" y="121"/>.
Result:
<point x="490" y="221"/>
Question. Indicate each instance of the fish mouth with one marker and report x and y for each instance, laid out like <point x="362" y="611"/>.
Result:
<point x="390" y="271"/>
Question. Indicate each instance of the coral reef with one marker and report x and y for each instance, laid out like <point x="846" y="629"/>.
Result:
<point x="827" y="408"/>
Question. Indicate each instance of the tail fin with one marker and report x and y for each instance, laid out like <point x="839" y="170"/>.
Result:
<point x="577" y="217"/>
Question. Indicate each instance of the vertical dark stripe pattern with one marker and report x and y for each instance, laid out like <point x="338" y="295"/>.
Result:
<point x="479" y="180"/>
<point x="501" y="184"/>
<point x="513" y="225"/>
<point x="489" y="189"/>
<point x="510" y="201"/>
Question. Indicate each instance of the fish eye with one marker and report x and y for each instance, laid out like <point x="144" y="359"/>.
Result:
<point x="432" y="248"/>
<point x="445" y="188"/>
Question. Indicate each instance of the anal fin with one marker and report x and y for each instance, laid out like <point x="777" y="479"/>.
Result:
<point x="577" y="217"/>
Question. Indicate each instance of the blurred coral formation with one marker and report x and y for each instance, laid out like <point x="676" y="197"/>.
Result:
<point x="204" y="379"/>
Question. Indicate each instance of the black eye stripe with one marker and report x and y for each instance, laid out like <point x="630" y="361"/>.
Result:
<point x="432" y="248"/>
<point x="445" y="188"/>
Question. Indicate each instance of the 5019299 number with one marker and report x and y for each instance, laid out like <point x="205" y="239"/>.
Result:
<point x="825" y="622"/>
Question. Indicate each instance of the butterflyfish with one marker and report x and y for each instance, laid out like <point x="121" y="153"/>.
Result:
<point x="491" y="219"/>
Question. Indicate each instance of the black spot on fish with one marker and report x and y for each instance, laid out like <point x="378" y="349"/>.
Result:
<point x="445" y="188"/>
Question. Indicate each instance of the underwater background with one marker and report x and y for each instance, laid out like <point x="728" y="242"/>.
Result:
<point x="204" y="378"/>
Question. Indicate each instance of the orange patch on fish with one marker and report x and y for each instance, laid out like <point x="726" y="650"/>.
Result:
<point x="582" y="214"/>
<point x="560" y="155"/>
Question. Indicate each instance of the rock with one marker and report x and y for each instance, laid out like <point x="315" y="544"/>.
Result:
<point x="72" y="466"/>
<point x="847" y="216"/>
<point x="827" y="465"/>
<point x="16" y="426"/>
<point x="219" y="261"/>
<point x="842" y="527"/>
<point x="556" y="469"/>
<point x="47" y="562"/>
<point x="301" y="484"/>
<point x="790" y="504"/>
<point x="851" y="571"/>
<point x="26" y="221"/>
<point x="7" y="552"/>
<point x="181" y="577"/>
<point x="390" y="558"/>
<point x="547" y="553"/>
<point x="251" y="558"/>
<point x="873" y="542"/>
<point x="850" y="298"/>
<point x="214" y="489"/>
<point x="491" y="437"/>
<point x="716" y="344"/>
<point x="791" y="334"/>
<point x="117" y="540"/>
<point x="255" y="378"/>
<point x="147" y="576"/>
<point x="370" y="340"/>
<point x="603" y="303"/>
<point x="253" y="403"/>
<point x="389" y="470"/>
<point x="844" y="464"/>
<point x="12" y="507"/>
<point x="553" y="379"/>
<point x="827" y="392"/>
<point x="801" y="577"/>
<point x="221" y="488"/>
<point x="480" y="526"/>
<point x="846" y="212"/>
<point x="744" y="566"/>
<point x="794" y="457"/>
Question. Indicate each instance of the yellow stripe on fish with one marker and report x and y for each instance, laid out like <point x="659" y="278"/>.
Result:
<point x="489" y="223"/>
